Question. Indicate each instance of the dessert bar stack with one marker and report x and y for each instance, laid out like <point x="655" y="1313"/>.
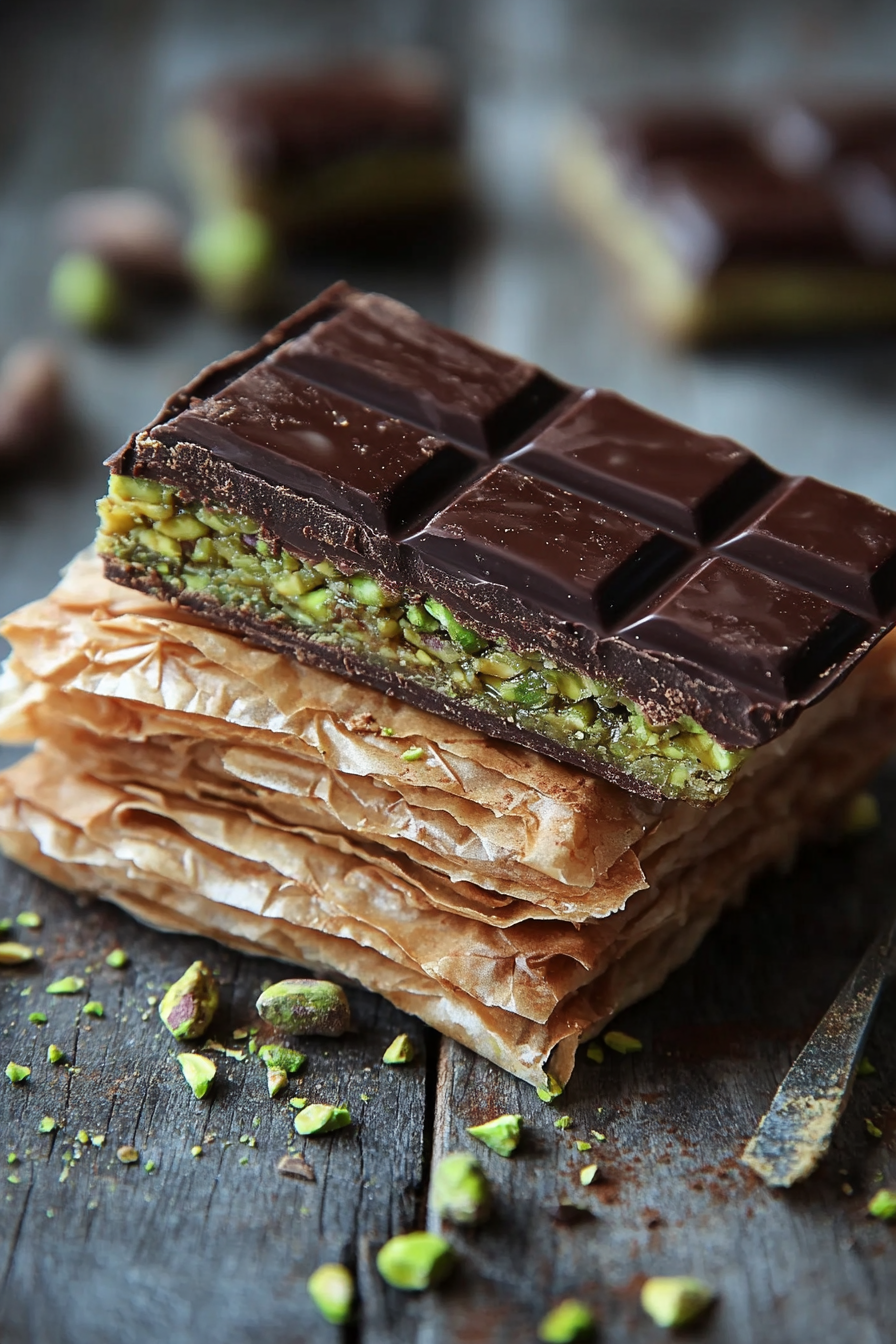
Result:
<point x="402" y="659"/>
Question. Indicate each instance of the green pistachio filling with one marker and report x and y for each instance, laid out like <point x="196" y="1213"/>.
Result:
<point x="199" y="548"/>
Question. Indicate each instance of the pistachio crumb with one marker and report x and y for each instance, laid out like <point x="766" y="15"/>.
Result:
<point x="5" y="925"/>
<point x="29" y="919"/>
<point x="97" y="1140"/>
<point x="566" y="1323"/>
<point x="321" y="1119"/>
<point x="69" y="984"/>
<point x="401" y="1051"/>
<point x="862" y="814"/>
<point x="149" y="1166"/>
<point x="118" y="959"/>
<point x="413" y="754"/>
<point x="865" y="1068"/>
<point x="601" y="1138"/>
<point x="595" y="1052"/>
<point x="550" y="1090"/>
<point x="562" y="1122"/>
<point x="365" y="1096"/>
<point x="873" y="1129"/>
<point x="240" y="1033"/>
<point x="675" y="1300"/>
<point x="199" y="1073"/>
<point x="883" y="1206"/>
<point x="15" y="954"/>
<point x="298" y="1103"/>
<point x="588" y="1174"/>
<point x="37" y="1018"/>
<point x="460" y="1190"/>
<point x="502" y="1134"/>
<point x="47" y="1125"/>
<point x="82" y="1136"/>
<point x="17" y="1073"/>
<point x="282" y="1058"/>
<point x="12" y="1157"/>
<point x="14" y="1178"/>
<point x="583" y="1145"/>
<point x="332" y="1290"/>
<point x="94" y="1008"/>
<point x="622" y="1043"/>
<point x="54" y="1054"/>
<point x="196" y="1150"/>
<point x="127" y="1154"/>
<point x="415" y="1261"/>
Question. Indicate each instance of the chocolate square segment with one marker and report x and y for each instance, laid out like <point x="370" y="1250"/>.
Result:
<point x="580" y="560"/>
<point x="827" y="540"/>
<point x="609" y="449"/>
<point x="385" y="355"/>
<point x="369" y="466"/>
<point x="749" y="628"/>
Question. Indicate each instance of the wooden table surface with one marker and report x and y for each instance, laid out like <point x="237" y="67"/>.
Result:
<point x="218" y="1247"/>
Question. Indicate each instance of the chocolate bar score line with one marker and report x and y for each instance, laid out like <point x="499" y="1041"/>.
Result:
<point x="556" y="567"/>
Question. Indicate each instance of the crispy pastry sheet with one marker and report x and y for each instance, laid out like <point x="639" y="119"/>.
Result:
<point x="212" y="787"/>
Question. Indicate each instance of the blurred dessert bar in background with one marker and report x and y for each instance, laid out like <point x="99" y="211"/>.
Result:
<point x="352" y="155"/>
<point x="732" y="223"/>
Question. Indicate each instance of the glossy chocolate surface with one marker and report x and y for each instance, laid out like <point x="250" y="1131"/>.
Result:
<point x="675" y="564"/>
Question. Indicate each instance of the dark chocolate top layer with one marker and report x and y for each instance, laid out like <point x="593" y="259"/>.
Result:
<point x="796" y="184"/>
<point x="673" y="563"/>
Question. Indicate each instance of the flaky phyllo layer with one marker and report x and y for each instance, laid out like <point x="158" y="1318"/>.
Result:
<point x="202" y="549"/>
<point x="515" y="903"/>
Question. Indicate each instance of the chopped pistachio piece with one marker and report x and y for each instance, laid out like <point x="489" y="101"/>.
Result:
<point x="84" y="292"/>
<point x="299" y="1103"/>
<point x="12" y="1157"/>
<point x="562" y="1122"/>
<point x="596" y="1134"/>
<point x="198" y="1072"/>
<point x="415" y="1261"/>
<point x="622" y="1043"/>
<point x="675" y="1300"/>
<point x="94" y="1008"/>
<point x="277" y="1080"/>
<point x="5" y="925"/>
<point x="595" y="1052"/>
<point x="550" y="1090"/>
<point x="862" y="814"/>
<point x="413" y="754"/>
<point x="502" y="1134"/>
<point x="37" y="1018"/>
<point x="149" y="1166"/>
<point x="118" y="959"/>
<point x="29" y="919"/>
<point x="15" y="954"/>
<point x="588" y="1175"/>
<point x="401" y="1051"/>
<point x="873" y="1129"/>
<point x="569" y="1321"/>
<point x="865" y="1068"/>
<point x="54" y="1054"/>
<point x="69" y="984"/>
<point x="460" y="1190"/>
<point x="97" y="1140"/>
<point x="321" y="1119"/>
<point x="305" y="1007"/>
<point x="188" y="1006"/>
<point x="883" y="1205"/>
<point x="583" y="1145"/>
<point x="82" y="1136"/>
<point x="196" y="1150"/>
<point x="281" y="1057"/>
<point x="47" y="1125"/>
<point x="17" y="1073"/>
<point x="332" y="1290"/>
<point x="127" y="1154"/>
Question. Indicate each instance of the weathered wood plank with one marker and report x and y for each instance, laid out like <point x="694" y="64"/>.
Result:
<point x="217" y="1246"/>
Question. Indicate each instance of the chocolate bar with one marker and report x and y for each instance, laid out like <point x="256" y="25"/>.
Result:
<point x="345" y="154"/>
<point x="554" y="566"/>
<point x="734" y="222"/>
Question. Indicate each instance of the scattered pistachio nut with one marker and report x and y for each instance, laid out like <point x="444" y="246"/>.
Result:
<point x="29" y="919"/>
<point x="415" y="1261"/>
<point x="17" y="1073"/>
<point x="305" y="1007"/>
<point x="196" y="1150"/>
<point x="622" y="1043"/>
<point x="118" y="959"/>
<point x="566" y="1323"/>
<point x="401" y="1051"/>
<point x="69" y="984"/>
<point x="149" y="1166"/>
<point x="5" y="924"/>
<point x="562" y="1122"/>
<point x="588" y="1175"/>
<point x="94" y="1008"/>
<point x="413" y="754"/>
<point x="127" y="1154"/>
<point x="332" y="1290"/>
<point x="84" y="293"/>
<point x="675" y="1300"/>
<point x="460" y="1190"/>
<point x="550" y="1090"/>
<point x="502" y="1134"/>
<point x="188" y="1006"/>
<point x="281" y="1057"/>
<point x="199" y="1073"/>
<point x="82" y="1136"/>
<point x="37" y="1018"/>
<point x="865" y="1068"/>
<point x="54" y="1054"/>
<point x="277" y="1080"/>
<point x="47" y="1125"/>
<point x="874" y="1130"/>
<point x="861" y="814"/>
<point x="321" y="1119"/>
<point x="583" y="1145"/>
<point x="595" y="1052"/>
<point x="232" y="256"/>
<point x="883" y="1206"/>
<point x="15" y="954"/>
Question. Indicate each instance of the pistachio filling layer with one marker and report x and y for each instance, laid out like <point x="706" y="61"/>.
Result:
<point x="204" y="549"/>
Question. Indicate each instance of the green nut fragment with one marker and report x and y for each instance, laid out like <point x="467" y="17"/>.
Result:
<point x="622" y="1043"/>
<point x="413" y="754"/>
<point x="332" y="1290"/>
<point x="196" y="1150"/>
<point x="588" y="1175"/>
<point x="595" y="1053"/>
<point x="5" y="925"/>
<point x="17" y="1073"/>
<point x="277" y="1080"/>
<point x="465" y="639"/>
<point x="84" y="293"/>
<point x="127" y="1154"/>
<point x="281" y="1057"/>
<point x="321" y="1119"/>
<point x="47" y="1125"/>
<point x="199" y="1073"/>
<point x="569" y="1321"/>
<point x="187" y="1008"/>
<point x="29" y="919"/>
<point x="675" y="1300"/>
<point x="550" y="1090"/>
<point x="232" y="256"/>
<point x="149" y="1166"/>
<point x="15" y="954"/>
<point x="82" y="1136"/>
<point x="54" y="1054"/>
<point x="502" y="1134"/>
<point x="118" y="959"/>
<point x="37" y="1018"/>
<point x="460" y="1190"/>
<point x="874" y="1130"/>
<point x="562" y="1122"/>
<point x="305" y="1007"/>
<point x="94" y="1008"/>
<point x="862" y="814"/>
<point x="883" y="1206"/>
<point x="69" y="984"/>
<point x="401" y="1051"/>
<point x="415" y="1261"/>
<point x="583" y="1145"/>
<point x="865" y="1068"/>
